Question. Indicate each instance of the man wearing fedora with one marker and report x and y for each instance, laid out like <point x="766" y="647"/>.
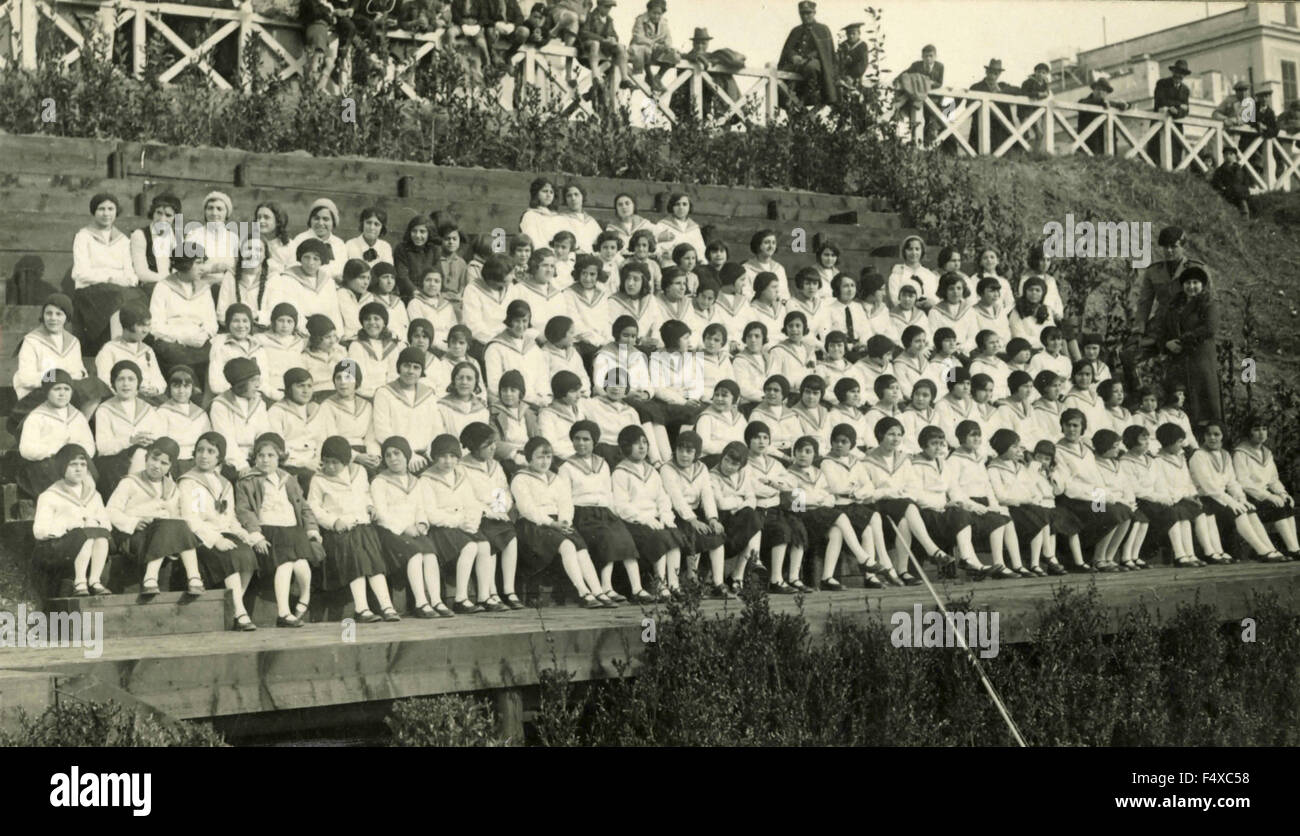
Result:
<point x="998" y="132"/>
<point x="1101" y="88"/>
<point x="720" y="65"/>
<point x="1172" y="97"/>
<point x="809" y="50"/>
<point x="652" y="44"/>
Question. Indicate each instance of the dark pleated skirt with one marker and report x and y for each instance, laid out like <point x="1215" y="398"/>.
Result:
<point x="113" y="469"/>
<point x="1223" y="516"/>
<point x="215" y="566"/>
<point x="1162" y="517"/>
<point x="172" y="354"/>
<point x="1030" y="519"/>
<point x="859" y="515"/>
<point x="161" y="538"/>
<point x="95" y="306"/>
<point x="447" y="544"/>
<point x="982" y="525"/>
<point x="782" y="528"/>
<point x="741" y="525"/>
<point x="895" y="509"/>
<point x="539" y="545"/>
<point x="649" y="410"/>
<point x="60" y="552"/>
<point x="610" y="453"/>
<point x="355" y="553"/>
<point x="1272" y="513"/>
<point x="678" y="414"/>
<point x="288" y="544"/>
<point x="1064" y="522"/>
<point x="817" y="523"/>
<point x="944" y="526"/>
<point x="693" y="541"/>
<point x="607" y="538"/>
<point x="498" y="533"/>
<point x="399" y="549"/>
<point x="653" y="543"/>
<point x="1091" y="521"/>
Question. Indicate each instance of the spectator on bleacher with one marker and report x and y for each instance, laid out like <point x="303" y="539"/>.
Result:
<point x="1101" y="88"/>
<point x="322" y="220"/>
<point x="573" y="218"/>
<point x="626" y="220"/>
<point x="597" y="39"/>
<point x="220" y="260"/>
<point x="238" y="341"/>
<point x="350" y="415"/>
<point x="131" y="346"/>
<point x="415" y="255"/>
<point x="505" y="27"/>
<point x="306" y="286"/>
<point x="453" y="268"/>
<point x="1232" y="181"/>
<point x="124" y="427"/>
<point x="71" y="526"/>
<point x="322" y="354"/>
<point x="183" y="420"/>
<point x="721" y="65"/>
<point x="152" y="245"/>
<point x="370" y="245"/>
<point x="809" y="50"/>
<point x="540" y="222"/>
<point x="1266" y="127"/>
<point x="912" y="272"/>
<point x="539" y="26"/>
<point x="424" y="15"/>
<point x="1187" y="335"/>
<point x="998" y="132"/>
<point x="852" y="57"/>
<point x="678" y="228"/>
<point x="652" y="43"/>
<point x="1289" y="121"/>
<point x="46" y="347"/>
<point x="103" y="275"/>
<point x="484" y="307"/>
<point x="239" y="413"/>
<point x="1172" y="97"/>
<point x="183" y="317"/>
<point x="263" y="257"/>
<point x="469" y="23"/>
<point x="46" y="429"/>
<point x="1037" y="87"/>
<point x="1229" y="111"/>
<point x="911" y="87"/>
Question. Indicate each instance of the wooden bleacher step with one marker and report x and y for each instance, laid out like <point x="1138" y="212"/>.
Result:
<point x="167" y="613"/>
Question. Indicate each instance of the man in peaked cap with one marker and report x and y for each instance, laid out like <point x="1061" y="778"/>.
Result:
<point x="809" y="50"/>
<point x="1172" y="97"/>
<point x="1233" y="108"/>
<point x="852" y="56"/>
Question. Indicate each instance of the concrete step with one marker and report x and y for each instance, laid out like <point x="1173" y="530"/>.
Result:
<point x="168" y="613"/>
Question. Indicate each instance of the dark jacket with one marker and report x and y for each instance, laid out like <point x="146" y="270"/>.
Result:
<point x="410" y="263"/>
<point x="1194" y="322"/>
<point x="1097" y="140"/>
<point x="1173" y="94"/>
<point x="248" y="499"/>
<point x="824" y="47"/>
<point x="1156" y="288"/>
<point x="853" y="61"/>
<point x="935" y="74"/>
<point x="1231" y="181"/>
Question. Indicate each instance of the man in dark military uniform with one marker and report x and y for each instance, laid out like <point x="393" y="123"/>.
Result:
<point x="1155" y="288"/>
<point x="1101" y="88"/>
<point x="810" y="51"/>
<point x="1174" y="98"/>
<point x="998" y="132"/>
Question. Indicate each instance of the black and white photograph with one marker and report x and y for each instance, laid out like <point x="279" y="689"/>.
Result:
<point x="627" y="375"/>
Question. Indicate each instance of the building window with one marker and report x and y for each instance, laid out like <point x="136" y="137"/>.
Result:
<point x="1289" y="92"/>
<point x="1290" y="14"/>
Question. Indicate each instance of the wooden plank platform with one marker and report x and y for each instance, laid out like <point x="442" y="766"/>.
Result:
<point x="223" y="674"/>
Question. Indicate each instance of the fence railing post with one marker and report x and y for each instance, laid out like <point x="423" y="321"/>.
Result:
<point x="139" y="37"/>
<point x="697" y="92"/>
<point x="27" y="17"/>
<point x="985" y="145"/>
<point x="1049" y="129"/>
<point x="1108" y="138"/>
<point x="773" y="95"/>
<point x="1167" y="145"/>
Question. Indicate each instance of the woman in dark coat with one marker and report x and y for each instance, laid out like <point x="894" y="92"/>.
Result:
<point x="1188" y="340"/>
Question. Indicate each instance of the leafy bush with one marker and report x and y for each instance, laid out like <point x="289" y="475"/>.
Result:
<point x="761" y="679"/>
<point x="78" y="723"/>
<point x="446" y="720"/>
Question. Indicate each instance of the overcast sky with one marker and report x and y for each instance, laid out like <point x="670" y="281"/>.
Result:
<point x="967" y="32"/>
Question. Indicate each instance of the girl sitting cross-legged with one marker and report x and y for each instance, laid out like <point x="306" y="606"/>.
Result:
<point x="146" y="508"/>
<point x="546" y="525"/>
<point x="270" y="506"/>
<point x="340" y="498"/>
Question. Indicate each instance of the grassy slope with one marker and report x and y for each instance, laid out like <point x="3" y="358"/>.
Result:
<point x="1256" y="257"/>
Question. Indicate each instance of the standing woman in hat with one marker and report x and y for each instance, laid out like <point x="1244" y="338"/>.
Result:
<point x="45" y="348"/>
<point x="322" y="220"/>
<point x="540" y="222"/>
<point x="270" y="506"/>
<point x="145" y="508"/>
<point x="219" y="263"/>
<point x="124" y="426"/>
<point x="182" y="317"/>
<point x="239" y="413"/>
<point x="307" y="286"/>
<point x="1190" y="327"/>
<point x="152" y="245"/>
<point x="102" y="272"/>
<point x="183" y="420"/>
<point x="71" y="525"/>
<point x="47" y="428"/>
<point x="345" y="511"/>
<point x="375" y="349"/>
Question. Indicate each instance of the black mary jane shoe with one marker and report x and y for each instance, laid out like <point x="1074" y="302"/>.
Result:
<point x="643" y="597"/>
<point x="391" y="615"/>
<point x="873" y="582"/>
<point x="892" y="578"/>
<point x="910" y="580"/>
<point x="368" y="617"/>
<point x="512" y="601"/>
<point x="1054" y="568"/>
<point x="244" y="624"/>
<point x="493" y="604"/>
<point x="833" y="585"/>
<point x="781" y="588"/>
<point x="426" y="611"/>
<point x="1080" y="569"/>
<point x="465" y="607"/>
<point x="442" y="610"/>
<point x="288" y="621"/>
<point x="591" y="602"/>
<point x="800" y="586"/>
<point x="1002" y="573"/>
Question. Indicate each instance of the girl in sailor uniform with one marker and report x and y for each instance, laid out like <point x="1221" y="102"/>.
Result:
<point x="713" y="360"/>
<point x="889" y="404"/>
<point x="848" y="410"/>
<point x="239" y="413"/>
<point x="308" y="287"/>
<point x="183" y="421"/>
<point x="207" y="505"/>
<point x="827" y="525"/>
<point x="353" y="292"/>
<point x="676" y="378"/>
<point x="834" y="367"/>
<point x="238" y="341"/>
<point x="954" y="312"/>
<point x="71" y="526"/>
<point x="1053" y="357"/>
<point x="146" y="508"/>
<point x="454" y="515"/>
<point x="687" y="481"/>
<point x="130" y="345"/>
<point x="783" y="424"/>
<point x="814" y="419"/>
<point x="375" y="350"/>
<point x="1156" y="503"/>
<point x="783" y="533"/>
<point x="873" y="365"/>
<point x="491" y="489"/>
<point x="345" y="511"/>
<point x="944" y="360"/>
<point x="611" y="414"/>
<point x="271" y="507"/>
<point x="1049" y="485"/>
<point x="608" y="539"/>
<point x="906" y="315"/>
<point x="437" y="370"/>
<point x="565" y="410"/>
<point x="561" y="356"/>
<point x="721" y="424"/>
<point x="124" y="426"/>
<point x="1173" y="413"/>
<point x="850" y="483"/>
<point x="985" y="412"/>
<point x="409" y="409"/>
<point x="1012" y="488"/>
<point x="990" y="312"/>
<point x="1047" y="408"/>
<point x="1083" y="395"/>
<point x="546" y="529"/>
<point x="514" y="422"/>
<point x="750" y="367"/>
<point x="584" y="304"/>
<point x="298" y="420"/>
<point x="910" y="366"/>
<point x="429" y="304"/>
<point x="643" y="505"/>
<point x="182" y="317"/>
<point x="633" y="299"/>
<point x="1106" y="450"/>
<point x="792" y="358"/>
<point x="733" y="492"/>
<point x="322" y="354"/>
<point x="964" y="468"/>
<point x="348" y="414"/>
<point x="1016" y="412"/>
<point x="399" y="498"/>
<point x="512" y="348"/>
<point x="1083" y="484"/>
<point x="383" y="289"/>
<point x="1111" y="392"/>
<point x="1257" y="472"/>
<point x="45" y="348"/>
<point x="464" y="402"/>
<point x="919" y="414"/>
<point x="46" y="429"/>
<point x="283" y="346"/>
<point x="766" y="306"/>
<point x="986" y="360"/>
